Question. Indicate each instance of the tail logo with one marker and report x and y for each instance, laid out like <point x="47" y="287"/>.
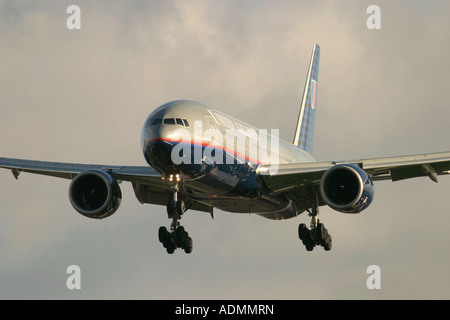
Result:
<point x="313" y="93"/>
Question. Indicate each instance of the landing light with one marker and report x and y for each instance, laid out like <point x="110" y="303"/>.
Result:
<point x="177" y="177"/>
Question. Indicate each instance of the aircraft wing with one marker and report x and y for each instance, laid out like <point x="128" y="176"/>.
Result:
<point x="147" y="183"/>
<point x="297" y="175"/>
<point x="70" y="170"/>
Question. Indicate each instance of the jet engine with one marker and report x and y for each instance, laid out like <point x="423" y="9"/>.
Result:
<point x="347" y="188"/>
<point x="95" y="194"/>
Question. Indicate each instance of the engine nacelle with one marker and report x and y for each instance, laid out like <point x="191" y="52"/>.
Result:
<point x="347" y="188"/>
<point x="95" y="194"/>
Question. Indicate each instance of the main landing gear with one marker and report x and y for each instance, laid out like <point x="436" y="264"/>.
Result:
<point x="177" y="237"/>
<point x="318" y="235"/>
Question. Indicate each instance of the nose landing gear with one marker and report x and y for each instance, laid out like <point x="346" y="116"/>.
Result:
<point x="177" y="237"/>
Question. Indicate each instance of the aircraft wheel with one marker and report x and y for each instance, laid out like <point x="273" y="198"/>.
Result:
<point x="303" y="231"/>
<point x="188" y="245"/>
<point x="170" y="248"/>
<point x="328" y="243"/>
<point x="181" y="235"/>
<point x="320" y="231"/>
<point x="163" y="234"/>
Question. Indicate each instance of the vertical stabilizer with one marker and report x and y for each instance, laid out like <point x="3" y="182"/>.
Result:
<point x="304" y="133"/>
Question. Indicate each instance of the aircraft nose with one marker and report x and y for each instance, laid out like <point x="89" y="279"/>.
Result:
<point x="158" y="152"/>
<point x="158" y="142"/>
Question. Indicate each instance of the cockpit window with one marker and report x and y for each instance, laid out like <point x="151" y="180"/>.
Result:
<point x="178" y="121"/>
<point x="156" y="122"/>
<point x="169" y="121"/>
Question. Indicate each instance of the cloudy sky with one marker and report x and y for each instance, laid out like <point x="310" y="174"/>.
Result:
<point x="83" y="95"/>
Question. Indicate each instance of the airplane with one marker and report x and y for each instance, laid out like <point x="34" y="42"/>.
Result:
<point x="202" y="159"/>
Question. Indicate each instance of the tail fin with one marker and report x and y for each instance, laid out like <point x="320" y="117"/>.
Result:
<point x="304" y="133"/>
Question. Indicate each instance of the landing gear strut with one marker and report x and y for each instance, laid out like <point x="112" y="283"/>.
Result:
<point x="177" y="237"/>
<point x="318" y="235"/>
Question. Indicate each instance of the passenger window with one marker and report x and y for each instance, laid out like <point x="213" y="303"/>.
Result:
<point x="156" y="122"/>
<point x="179" y="121"/>
<point x="186" y="123"/>
<point x="169" y="121"/>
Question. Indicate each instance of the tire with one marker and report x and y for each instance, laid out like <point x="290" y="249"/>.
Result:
<point x="170" y="248"/>
<point x="328" y="243"/>
<point x="302" y="231"/>
<point x="188" y="245"/>
<point x="325" y="237"/>
<point x="163" y="235"/>
<point x="180" y="235"/>
<point x="320" y="231"/>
